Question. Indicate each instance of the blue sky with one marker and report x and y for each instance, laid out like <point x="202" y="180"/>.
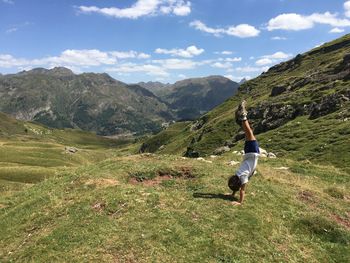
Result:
<point x="165" y="40"/>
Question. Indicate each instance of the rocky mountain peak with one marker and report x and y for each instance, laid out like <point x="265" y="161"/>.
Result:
<point x="61" y="71"/>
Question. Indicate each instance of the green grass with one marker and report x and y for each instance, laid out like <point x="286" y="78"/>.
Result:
<point x="93" y="212"/>
<point x="30" y="153"/>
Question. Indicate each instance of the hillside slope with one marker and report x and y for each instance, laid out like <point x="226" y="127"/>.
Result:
<point x="298" y="108"/>
<point x="155" y="87"/>
<point x="168" y="209"/>
<point x="94" y="102"/>
<point x="30" y="152"/>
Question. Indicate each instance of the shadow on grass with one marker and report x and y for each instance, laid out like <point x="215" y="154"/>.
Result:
<point x="226" y="197"/>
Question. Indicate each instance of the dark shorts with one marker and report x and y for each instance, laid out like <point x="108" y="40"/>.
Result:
<point x="251" y="147"/>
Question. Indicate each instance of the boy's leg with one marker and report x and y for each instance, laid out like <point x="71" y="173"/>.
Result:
<point x="249" y="135"/>
<point x="242" y="115"/>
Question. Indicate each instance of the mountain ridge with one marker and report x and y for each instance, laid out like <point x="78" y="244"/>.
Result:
<point x="192" y="97"/>
<point x="97" y="102"/>
<point x="89" y="101"/>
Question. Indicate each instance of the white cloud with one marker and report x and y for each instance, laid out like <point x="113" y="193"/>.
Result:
<point x="143" y="56"/>
<point x="142" y="8"/>
<point x="336" y="30"/>
<point x="85" y="57"/>
<point x="225" y="65"/>
<point x="158" y="67"/>
<point x="17" y="27"/>
<point x="264" y="61"/>
<point x="124" y="54"/>
<point x="72" y="58"/>
<point x="278" y="55"/>
<point x="225" y="52"/>
<point x="202" y="27"/>
<point x="189" y="52"/>
<point x="296" y="22"/>
<point x="11" y="30"/>
<point x="176" y="63"/>
<point x="8" y="61"/>
<point x="248" y="69"/>
<point x="182" y="8"/>
<point x="273" y="58"/>
<point x="129" y="54"/>
<point x="147" y="68"/>
<point x="235" y="59"/>
<point x="289" y="22"/>
<point x="242" y="30"/>
<point x="182" y="76"/>
<point x="278" y="38"/>
<point x="8" y="2"/>
<point x="347" y="8"/>
<point x="329" y="19"/>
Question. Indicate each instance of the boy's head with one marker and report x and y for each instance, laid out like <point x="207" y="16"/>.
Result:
<point x="234" y="183"/>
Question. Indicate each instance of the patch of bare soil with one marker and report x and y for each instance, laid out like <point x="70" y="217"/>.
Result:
<point x="306" y="196"/>
<point x="165" y="175"/>
<point x="152" y="182"/>
<point x="345" y="222"/>
<point x="102" y="182"/>
<point x="98" y="207"/>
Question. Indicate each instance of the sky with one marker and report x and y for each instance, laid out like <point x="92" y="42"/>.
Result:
<point x="165" y="40"/>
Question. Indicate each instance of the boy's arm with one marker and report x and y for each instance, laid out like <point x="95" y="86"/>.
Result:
<point x="241" y="195"/>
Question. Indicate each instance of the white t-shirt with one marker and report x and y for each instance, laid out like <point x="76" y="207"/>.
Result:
<point x="247" y="167"/>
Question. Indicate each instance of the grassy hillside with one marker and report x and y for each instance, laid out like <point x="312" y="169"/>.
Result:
<point x="121" y="210"/>
<point x="299" y="109"/>
<point x="30" y="152"/>
<point x="105" y="204"/>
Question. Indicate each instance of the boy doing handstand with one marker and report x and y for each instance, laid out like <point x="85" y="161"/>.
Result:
<point x="239" y="181"/>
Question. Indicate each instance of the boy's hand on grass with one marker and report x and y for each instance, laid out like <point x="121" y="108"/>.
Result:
<point x="235" y="203"/>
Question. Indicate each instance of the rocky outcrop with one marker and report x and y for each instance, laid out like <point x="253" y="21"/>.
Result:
<point x="300" y="82"/>
<point x="288" y="65"/>
<point x="344" y="65"/>
<point x="199" y="123"/>
<point x="268" y="117"/>
<point x="277" y="90"/>
<point x="328" y="104"/>
<point x="191" y="153"/>
<point x="143" y="148"/>
<point x="221" y="150"/>
<point x="70" y="149"/>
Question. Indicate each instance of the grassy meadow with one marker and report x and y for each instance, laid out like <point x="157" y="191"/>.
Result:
<point x="110" y="205"/>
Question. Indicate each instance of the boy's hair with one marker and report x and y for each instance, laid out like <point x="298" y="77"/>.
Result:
<point x="234" y="183"/>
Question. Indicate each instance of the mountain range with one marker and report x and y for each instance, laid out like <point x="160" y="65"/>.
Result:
<point x="96" y="102"/>
<point x="190" y="98"/>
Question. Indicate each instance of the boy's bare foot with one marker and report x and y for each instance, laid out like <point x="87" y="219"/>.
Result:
<point x="235" y="203"/>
